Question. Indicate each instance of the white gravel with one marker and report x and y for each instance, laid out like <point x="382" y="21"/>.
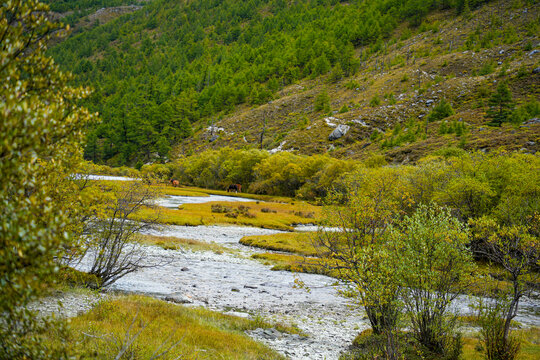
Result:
<point x="66" y="304"/>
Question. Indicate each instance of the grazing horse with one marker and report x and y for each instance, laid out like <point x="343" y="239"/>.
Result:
<point x="235" y="187"/>
<point x="174" y="182"/>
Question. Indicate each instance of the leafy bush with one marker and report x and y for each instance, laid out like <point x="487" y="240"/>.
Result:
<point x="496" y="345"/>
<point x="525" y="112"/>
<point x="432" y="262"/>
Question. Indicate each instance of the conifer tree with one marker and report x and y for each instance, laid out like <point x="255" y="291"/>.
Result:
<point x="500" y="105"/>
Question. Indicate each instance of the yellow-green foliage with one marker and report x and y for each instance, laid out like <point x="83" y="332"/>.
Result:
<point x="472" y="348"/>
<point x="157" y="172"/>
<point x="201" y="214"/>
<point x="283" y="174"/>
<point x="299" y="243"/>
<point x="202" y="334"/>
<point x="218" y="168"/>
<point x="41" y="211"/>
<point x="113" y="171"/>
<point x="71" y="277"/>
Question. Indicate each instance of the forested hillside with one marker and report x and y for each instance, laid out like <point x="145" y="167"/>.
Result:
<point x="170" y="65"/>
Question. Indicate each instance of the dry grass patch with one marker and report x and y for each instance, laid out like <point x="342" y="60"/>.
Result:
<point x="293" y="263"/>
<point x="299" y="243"/>
<point x="284" y="217"/>
<point x="199" y="333"/>
<point x="174" y="243"/>
<point x="530" y="345"/>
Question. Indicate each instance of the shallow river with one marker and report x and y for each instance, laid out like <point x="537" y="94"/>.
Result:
<point x="235" y="283"/>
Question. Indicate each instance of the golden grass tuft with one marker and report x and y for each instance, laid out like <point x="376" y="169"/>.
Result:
<point x="202" y="334"/>
<point x="299" y="243"/>
<point x="293" y="263"/>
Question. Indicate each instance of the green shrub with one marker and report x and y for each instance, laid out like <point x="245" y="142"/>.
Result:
<point x="450" y="152"/>
<point x="440" y="111"/>
<point x="486" y="69"/>
<point x="525" y="112"/>
<point x="352" y="85"/>
<point x="496" y="347"/>
<point x="72" y="277"/>
<point x="375" y="101"/>
<point x="322" y="102"/>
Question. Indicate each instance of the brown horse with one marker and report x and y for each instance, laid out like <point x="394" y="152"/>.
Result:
<point x="235" y="187"/>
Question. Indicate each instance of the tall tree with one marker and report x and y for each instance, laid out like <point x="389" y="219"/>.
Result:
<point x="40" y="131"/>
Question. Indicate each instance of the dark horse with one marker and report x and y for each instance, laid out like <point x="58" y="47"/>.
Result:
<point x="235" y="187"/>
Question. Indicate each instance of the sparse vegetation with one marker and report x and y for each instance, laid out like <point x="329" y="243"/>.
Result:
<point x="375" y="101"/>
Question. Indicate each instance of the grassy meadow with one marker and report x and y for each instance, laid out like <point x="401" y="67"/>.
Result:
<point x="174" y="243"/>
<point x="272" y="215"/>
<point x="298" y="243"/>
<point x="188" y="333"/>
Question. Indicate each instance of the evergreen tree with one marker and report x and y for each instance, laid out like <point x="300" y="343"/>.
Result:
<point x="500" y="105"/>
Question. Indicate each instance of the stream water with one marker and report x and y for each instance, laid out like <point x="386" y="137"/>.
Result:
<point x="172" y="202"/>
<point x="235" y="283"/>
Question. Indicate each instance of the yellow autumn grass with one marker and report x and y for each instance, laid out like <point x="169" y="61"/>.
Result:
<point x="530" y="345"/>
<point x="258" y="214"/>
<point x="298" y="243"/>
<point x="293" y="263"/>
<point x="174" y="243"/>
<point x="199" y="333"/>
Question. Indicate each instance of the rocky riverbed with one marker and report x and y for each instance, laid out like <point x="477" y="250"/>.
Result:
<point x="237" y="284"/>
<point x="233" y="282"/>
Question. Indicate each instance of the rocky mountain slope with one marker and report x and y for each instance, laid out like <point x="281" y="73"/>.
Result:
<point x="383" y="107"/>
<point x="172" y="79"/>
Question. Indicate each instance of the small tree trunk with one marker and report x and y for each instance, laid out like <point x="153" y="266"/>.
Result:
<point x="512" y="311"/>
